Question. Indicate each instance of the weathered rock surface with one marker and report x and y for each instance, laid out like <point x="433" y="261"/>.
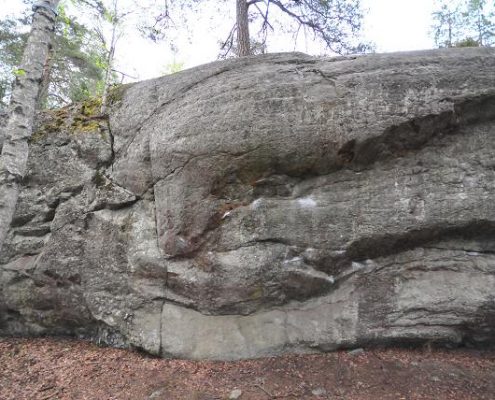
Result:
<point x="263" y="205"/>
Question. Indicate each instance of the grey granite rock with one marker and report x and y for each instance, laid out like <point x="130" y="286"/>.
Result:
<point x="263" y="205"/>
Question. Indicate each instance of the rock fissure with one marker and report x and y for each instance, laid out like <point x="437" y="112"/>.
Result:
<point x="380" y="246"/>
<point x="160" y="351"/>
<point x="112" y="140"/>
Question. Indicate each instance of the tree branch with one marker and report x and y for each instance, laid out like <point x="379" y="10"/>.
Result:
<point x="251" y="2"/>
<point x="59" y="98"/>
<point x="317" y="28"/>
<point x="266" y="23"/>
<point x="229" y="42"/>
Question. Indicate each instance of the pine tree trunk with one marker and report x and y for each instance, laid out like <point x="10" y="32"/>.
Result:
<point x="13" y="159"/>
<point x="243" y="41"/>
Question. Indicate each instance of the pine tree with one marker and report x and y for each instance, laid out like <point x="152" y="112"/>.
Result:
<point x="481" y="21"/>
<point x="448" y="24"/>
<point x="336" y="23"/>
<point x="468" y="23"/>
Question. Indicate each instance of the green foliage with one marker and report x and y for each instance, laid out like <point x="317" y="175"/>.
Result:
<point x="467" y="23"/>
<point x="19" y="72"/>
<point x="78" y="56"/>
<point x="12" y="43"/>
<point x="447" y="25"/>
<point x="468" y="42"/>
<point x="481" y="21"/>
<point x="74" y="69"/>
<point x="337" y="23"/>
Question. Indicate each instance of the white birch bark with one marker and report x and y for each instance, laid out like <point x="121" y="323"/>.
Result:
<point x="15" y="151"/>
<point x="111" y="55"/>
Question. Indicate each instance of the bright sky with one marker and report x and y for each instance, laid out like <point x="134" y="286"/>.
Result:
<point x="393" y="25"/>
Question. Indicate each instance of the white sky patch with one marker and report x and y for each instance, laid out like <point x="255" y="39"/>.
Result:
<point x="397" y="25"/>
<point x="393" y="25"/>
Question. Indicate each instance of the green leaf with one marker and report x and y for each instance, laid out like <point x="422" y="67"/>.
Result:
<point x="19" y="72"/>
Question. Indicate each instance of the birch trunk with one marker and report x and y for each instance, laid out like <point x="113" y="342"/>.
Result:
<point x="13" y="159"/>
<point x="111" y="55"/>
<point x="108" y="74"/>
<point x="243" y="41"/>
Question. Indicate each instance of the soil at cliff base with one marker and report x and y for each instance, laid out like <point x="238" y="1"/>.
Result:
<point x="51" y="369"/>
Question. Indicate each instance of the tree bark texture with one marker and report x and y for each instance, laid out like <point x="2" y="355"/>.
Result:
<point x="45" y="80"/>
<point x="110" y="57"/>
<point x="13" y="159"/>
<point x="243" y="41"/>
<point x="108" y="72"/>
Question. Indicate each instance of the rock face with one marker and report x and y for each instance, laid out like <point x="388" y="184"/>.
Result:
<point x="262" y="205"/>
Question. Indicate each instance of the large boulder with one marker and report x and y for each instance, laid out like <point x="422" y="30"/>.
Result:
<point x="267" y="204"/>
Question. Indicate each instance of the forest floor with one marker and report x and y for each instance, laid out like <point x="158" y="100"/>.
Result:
<point x="49" y="369"/>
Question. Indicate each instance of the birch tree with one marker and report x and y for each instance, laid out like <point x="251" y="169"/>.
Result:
<point x="74" y="67"/>
<point x="15" y="150"/>
<point x="116" y="18"/>
<point x="113" y="18"/>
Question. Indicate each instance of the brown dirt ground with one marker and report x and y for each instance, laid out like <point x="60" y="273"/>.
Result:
<point x="49" y="369"/>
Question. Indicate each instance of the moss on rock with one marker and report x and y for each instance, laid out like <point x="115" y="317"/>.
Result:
<point x="116" y="93"/>
<point x="80" y="118"/>
<point x="91" y="107"/>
